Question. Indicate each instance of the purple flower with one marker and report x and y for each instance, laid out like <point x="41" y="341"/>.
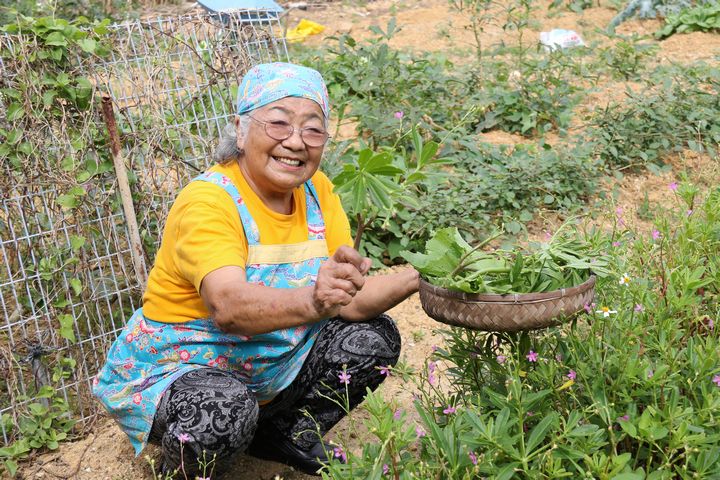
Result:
<point x="616" y="244"/>
<point x="432" y="366"/>
<point x="385" y="370"/>
<point x="399" y="114"/>
<point x="650" y="374"/>
<point x="673" y="186"/>
<point x="656" y="234"/>
<point x="184" y="437"/>
<point x="639" y="307"/>
<point x="711" y="324"/>
<point x="432" y="380"/>
<point x="473" y="457"/>
<point x="689" y="212"/>
<point x="449" y="410"/>
<point x="619" y="211"/>
<point x="532" y="356"/>
<point x="339" y="453"/>
<point x="344" y="378"/>
<point x="397" y="414"/>
<point x="530" y="413"/>
<point x="548" y="235"/>
<point x="624" y="418"/>
<point x="386" y="469"/>
<point x="419" y="432"/>
<point x="434" y="348"/>
<point x="501" y="359"/>
<point x="589" y="308"/>
<point x="572" y="375"/>
<point x="716" y="380"/>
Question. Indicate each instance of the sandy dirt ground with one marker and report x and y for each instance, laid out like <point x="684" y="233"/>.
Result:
<point x="106" y="454"/>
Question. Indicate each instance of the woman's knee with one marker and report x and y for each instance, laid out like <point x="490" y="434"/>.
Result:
<point x="206" y="413"/>
<point x="376" y="341"/>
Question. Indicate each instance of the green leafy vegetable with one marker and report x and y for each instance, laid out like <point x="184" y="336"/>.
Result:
<point x="450" y="262"/>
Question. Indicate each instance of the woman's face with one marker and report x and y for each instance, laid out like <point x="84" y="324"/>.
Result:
<point x="274" y="168"/>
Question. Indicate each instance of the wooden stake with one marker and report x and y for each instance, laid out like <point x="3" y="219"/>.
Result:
<point x="136" y="250"/>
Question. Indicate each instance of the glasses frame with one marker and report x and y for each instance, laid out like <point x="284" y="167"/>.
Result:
<point x="292" y="131"/>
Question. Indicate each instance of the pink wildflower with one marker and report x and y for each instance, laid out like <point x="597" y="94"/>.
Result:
<point x="532" y="356"/>
<point x="385" y="370"/>
<point x="399" y="114"/>
<point x="432" y="366"/>
<point x="624" y="418"/>
<point x="572" y="375"/>
<point x="339" y="453"/>
<point x="689" y="212"/>
<point x="397" y="414"/>
<point x="619" y="211"/>
<point x="716" y="380"/>
<point x="419" y="432"/>
<point x="673" y="186"/>
<point x="386" y="469"/>
<point x="434" y="348"/>
<point x="656" y="234"/>
<point x="473" y="457"/>
<point x="616" y="244"/>
<point x="184" y="437"/>
<point x="345" y="378"/>
<point x="650" y="374"/>
<point x="449" y="410"/>
<point x="501" y="359"/>
<point x="639" y="307"/>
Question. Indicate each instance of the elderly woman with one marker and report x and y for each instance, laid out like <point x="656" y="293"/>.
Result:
<point x="257" y="311"/>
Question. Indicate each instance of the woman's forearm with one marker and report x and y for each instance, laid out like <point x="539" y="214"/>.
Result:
<point x="381" y="293"/>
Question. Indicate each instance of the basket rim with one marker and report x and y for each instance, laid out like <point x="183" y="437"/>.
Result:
<point x="508" y="298"/>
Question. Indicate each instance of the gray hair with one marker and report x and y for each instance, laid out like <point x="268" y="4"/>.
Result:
<point x="227" y="150"/>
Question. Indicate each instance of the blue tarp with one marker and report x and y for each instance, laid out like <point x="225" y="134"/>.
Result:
<point x="225" y="5"/>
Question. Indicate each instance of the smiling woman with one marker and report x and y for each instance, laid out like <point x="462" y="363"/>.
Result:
<point x="257" y="309"/>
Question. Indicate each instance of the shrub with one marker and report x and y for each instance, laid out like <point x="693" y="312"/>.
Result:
<point x="629" y="390"/>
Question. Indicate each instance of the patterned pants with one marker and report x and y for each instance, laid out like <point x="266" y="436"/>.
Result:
<point x="209" y="413"/>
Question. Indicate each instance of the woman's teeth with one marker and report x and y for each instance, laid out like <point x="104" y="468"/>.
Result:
<point x="288" y="161"/>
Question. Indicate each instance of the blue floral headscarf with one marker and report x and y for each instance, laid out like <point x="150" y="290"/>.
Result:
<point x="268" y="82"/>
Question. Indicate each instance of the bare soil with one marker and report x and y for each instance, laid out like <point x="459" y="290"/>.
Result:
<point x="106" y="454"/>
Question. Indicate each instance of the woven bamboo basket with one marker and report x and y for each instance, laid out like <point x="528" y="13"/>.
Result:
<point x="505" y="313"/>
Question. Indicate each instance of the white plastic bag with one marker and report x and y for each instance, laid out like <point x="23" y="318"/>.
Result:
<point x="560" y="38"/>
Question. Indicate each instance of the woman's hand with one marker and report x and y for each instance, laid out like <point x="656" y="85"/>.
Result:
<point x="338" y="281"/>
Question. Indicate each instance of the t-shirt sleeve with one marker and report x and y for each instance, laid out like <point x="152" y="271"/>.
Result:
<point x="209" y="236"/>
<point x="337" y="225"/>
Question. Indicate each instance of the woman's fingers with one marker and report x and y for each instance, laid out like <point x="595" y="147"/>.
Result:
<point x="346" y="254"/>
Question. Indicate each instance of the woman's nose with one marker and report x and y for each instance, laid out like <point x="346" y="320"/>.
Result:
<point x="294" y="141"/>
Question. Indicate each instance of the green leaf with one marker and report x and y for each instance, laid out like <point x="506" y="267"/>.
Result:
<point x="88" y="45"/>
<point x="66" y="327"/>
<point x="629" y="428"/>
<point x="15" y="112"/>
<point x="56" y="39"/>
<point x="76" y="285"/>
<point x="538" y="433"/>
<point x="77" y="242"/>
<point x="11" y="466"/>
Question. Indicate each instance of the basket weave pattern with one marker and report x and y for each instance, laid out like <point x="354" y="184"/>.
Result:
<point x="505" y="313"/>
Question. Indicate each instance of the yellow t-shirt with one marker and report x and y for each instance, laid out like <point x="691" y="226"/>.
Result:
<point x="203" y="232"/>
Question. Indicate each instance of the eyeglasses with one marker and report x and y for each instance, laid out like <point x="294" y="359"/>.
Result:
<point x="279" y="130"/>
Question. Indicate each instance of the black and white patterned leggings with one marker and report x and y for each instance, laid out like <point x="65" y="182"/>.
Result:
<point x="213" y="414"/>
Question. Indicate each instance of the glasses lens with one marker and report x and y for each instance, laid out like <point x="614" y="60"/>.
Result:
<point x="278" y="130"/>
<point x="314" y="137"/>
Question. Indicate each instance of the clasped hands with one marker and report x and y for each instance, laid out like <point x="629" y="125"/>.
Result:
<point x="339" y="279"/>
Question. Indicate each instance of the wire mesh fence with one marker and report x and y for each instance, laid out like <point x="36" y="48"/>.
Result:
<point x="68" y="279"/>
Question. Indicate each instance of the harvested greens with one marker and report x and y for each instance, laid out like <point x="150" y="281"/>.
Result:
<point x="564" y="261"/>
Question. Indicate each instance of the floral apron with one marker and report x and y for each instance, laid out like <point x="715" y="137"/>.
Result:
<point x="149" y="355"/>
